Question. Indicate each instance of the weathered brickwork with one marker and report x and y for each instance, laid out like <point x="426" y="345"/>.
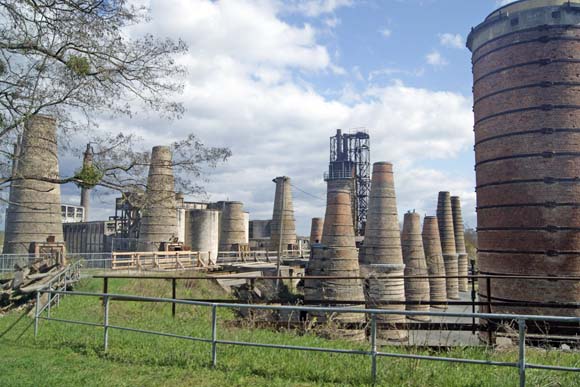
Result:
<point x="527" y="135"/>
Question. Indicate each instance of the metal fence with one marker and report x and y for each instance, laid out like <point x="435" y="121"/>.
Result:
<point x="104" y="261"/>
<point x="9" y="261"/>
<point x="372" y="353"/>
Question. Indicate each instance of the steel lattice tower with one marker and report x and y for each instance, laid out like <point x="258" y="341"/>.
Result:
<point x="350" y="159"/>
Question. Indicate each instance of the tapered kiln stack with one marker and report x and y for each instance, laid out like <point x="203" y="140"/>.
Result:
<point x="159" y="216"/>
<point x="458" y="228"/>
<point x="416" y="289"/>
<point x="336" y="257"/>
<point x="382" y="261"/>
<point x="447" y="234"/>
<point x="434" y="259"/>
<point x="33" y="213"/>
<point x="283" y="228"/>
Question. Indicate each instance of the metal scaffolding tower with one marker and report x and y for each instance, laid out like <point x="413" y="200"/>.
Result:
<point x="350" y="158"/>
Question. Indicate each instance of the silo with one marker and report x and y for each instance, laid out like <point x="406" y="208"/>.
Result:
<point x="232" y="226"/>
<point x="202" y="232"/>
<point x="283" y="228"/>
<point x="336" y="257"/>
<point x="382" y="261"/>
<point x="34" y="211"/>
<point x="459" y="230"/>
<point x="527" y="131"/>
<point x="316" y="231"/>
<point x="416" y="289"/>
<point x="434" y="259"/>
<point x="159" y="213"/>
<point x="447" y="234"/>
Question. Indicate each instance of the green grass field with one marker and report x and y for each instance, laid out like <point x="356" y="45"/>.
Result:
<point x="72" y="355"/>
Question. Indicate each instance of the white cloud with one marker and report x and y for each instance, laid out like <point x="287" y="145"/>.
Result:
<point x="332" y="22"/>
<point x="451" y="40"/>
<point x="244" y="90"/>
<point x="394" y="71"/>
<point x="434" y="58"/>
<point x="504" y="2"/>
<point x="314" y="8"/>
<point x="386" y="32"/>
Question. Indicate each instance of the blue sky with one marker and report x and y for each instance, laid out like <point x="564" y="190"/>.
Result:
<point x="274" y="79"/>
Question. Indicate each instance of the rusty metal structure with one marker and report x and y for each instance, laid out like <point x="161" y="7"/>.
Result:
<point x="381" y="257"/>
<point x="283" y="226"/>
<point x="159" y="211"/>
<point x="350" y="159"/>
<point x="527" y="108"/>
<point x="447" y="235"/>
<point x="33" y="215"/>
<point x="416" y="289"/>
<point x="337" y="256"/>
<point x="434" y="260"/>
<point x="462" y="257"/>
<point x="316" y="230"/>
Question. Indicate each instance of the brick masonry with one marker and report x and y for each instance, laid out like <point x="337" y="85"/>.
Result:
<point x="527" y="136"/>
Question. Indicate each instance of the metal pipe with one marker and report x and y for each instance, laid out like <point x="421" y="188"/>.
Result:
<point x="293" y="347"/>
<point x="482" y="276"/>
<point x="214" y="335"/>
<point x="49" y="301"/>
<point x="36" y="314"/>
<point x="473" y="294"/>
<point x="173" y="295"/>
<point x="522" y="357"/>
<point x="374" y="348"/>
<point x="495" y="316"/>
<point x="106" y="324"/>
<point x="449" y="359"/>
<point x="105" y="286"/>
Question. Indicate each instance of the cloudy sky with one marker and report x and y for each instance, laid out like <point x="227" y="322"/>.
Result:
<point x="274" y="79"/>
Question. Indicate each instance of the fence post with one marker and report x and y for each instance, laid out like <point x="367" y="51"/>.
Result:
<point x="489" y="321"/>
<point x="173" y="295"/>
<point x="214" y="335"/>
<point x="36" y="313"/>
<point x="106" y="323"/>
<point x="105" y="287"/>
<point x="49" y="301"/>
<point x="522" y="357"/>
<point x="374" y="348"/>
<point x="473" y="295"/>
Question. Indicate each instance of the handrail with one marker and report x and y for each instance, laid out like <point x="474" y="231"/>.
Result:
<point x="488" y="316"/>
<point x="373" y="353"/>
<point x="213" y="277"/>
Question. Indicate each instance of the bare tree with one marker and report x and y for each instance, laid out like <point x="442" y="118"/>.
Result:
<point x="74" y="60"/>
<point x="63" y="56"/>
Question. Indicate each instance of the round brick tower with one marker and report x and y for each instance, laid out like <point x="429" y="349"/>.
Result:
<point x="526" y="69"/>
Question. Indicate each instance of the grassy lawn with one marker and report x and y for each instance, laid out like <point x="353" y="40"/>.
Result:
<point x="72" y="355"/>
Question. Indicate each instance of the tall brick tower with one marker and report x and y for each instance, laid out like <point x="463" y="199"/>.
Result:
<point x="526" y="66"/>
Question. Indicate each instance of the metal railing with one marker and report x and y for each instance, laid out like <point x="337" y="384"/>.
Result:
<point x="373" y="353"/>
<point x="8" y="261"/>
<point x="58" y="284"/>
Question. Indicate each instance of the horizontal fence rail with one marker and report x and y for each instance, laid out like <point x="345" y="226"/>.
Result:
<point x="373" y="353"/>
